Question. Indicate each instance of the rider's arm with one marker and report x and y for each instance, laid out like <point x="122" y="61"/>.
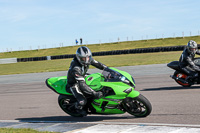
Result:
<point x="191" y="63"/>
<point x="189" y="60"/>
<point x="81" y="81"/>
<point x="97" y="64"/>
<point x="198" y="52"/>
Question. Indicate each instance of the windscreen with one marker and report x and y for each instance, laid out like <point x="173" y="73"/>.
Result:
<point x="111" y="75"/>
<point x="114" y="76"/>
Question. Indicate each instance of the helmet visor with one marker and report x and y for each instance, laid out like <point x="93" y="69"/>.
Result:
<point x="193" y="50"/>
<point x="86" y="59"/>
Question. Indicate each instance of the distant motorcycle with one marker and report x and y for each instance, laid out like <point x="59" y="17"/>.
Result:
<point x="180" y="76"/>
<point x="118" y="90"/>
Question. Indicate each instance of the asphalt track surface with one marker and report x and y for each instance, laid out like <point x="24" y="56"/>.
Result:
<point x="24" y="98"/>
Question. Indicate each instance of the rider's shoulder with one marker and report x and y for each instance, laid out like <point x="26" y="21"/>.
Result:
<point x="75" y="63"/>
<point x="185" y="52"/>
<point x="77" y="68"/>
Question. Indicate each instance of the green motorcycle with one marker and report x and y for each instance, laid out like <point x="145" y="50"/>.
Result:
<point x="119" y="95"/>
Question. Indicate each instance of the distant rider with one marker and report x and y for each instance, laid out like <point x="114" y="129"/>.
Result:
<point x="76" y="77"/>
<point x="186" y="62"/>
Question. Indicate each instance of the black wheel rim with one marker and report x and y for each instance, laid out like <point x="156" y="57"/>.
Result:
<point x="136" y="107"/>
<point x="67" y="106"/>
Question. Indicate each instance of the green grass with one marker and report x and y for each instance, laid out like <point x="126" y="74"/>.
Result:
<point x="114" y="61"/>
<point x="103" y="47"/>
<point x="12" y="130"/>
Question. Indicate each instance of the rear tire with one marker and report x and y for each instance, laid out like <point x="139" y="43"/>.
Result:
<point x="183" y="76"/>
<point x="67" y="103"/>
<point x="138" y="106"/>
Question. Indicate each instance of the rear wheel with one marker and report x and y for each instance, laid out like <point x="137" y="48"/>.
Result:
<point x="67" y="104"/>
<point x="139" y="106"/>
<point x="182" y="77"/>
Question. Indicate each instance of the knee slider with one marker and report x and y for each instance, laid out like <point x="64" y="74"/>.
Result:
<point x="82" y="102"/>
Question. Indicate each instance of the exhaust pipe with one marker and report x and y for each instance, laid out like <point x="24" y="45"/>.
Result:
<point x="177" y="78"/>
<point x="174" y="77"/>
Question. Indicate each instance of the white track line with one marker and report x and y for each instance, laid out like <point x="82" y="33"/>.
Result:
<point x="107" y="123"/>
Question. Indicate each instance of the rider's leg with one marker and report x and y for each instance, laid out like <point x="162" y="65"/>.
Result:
<point x="81" y="100"/>
<point x="192" y="74"/>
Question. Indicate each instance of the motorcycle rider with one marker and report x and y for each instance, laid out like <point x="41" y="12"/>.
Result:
<point x="186" y="62"/>
<point x="76" y="80"/>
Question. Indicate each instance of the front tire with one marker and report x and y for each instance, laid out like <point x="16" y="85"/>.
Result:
<point x="67" y="103"/>
<point x="138" y="106"/>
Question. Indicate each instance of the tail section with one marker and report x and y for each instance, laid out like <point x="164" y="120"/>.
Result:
<point x="174" y="65"/>
<point x="58" y="84"/>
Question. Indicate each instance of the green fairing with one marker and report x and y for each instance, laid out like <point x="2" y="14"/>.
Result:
<point x="96" y="82"/>
<point x="119" y="87"/>
<point x="107" y="111"/>
<point x="133" y="94"/>
<point x="111" y="106"/>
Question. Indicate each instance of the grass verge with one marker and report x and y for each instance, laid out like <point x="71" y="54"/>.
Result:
<point x="112" y="61"/>
<point x="12" y="130"/>
<point x="103" y="47"/>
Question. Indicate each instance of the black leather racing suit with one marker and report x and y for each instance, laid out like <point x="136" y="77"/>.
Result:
<point x="76" y="80"/>
<point x="187" y="65"/>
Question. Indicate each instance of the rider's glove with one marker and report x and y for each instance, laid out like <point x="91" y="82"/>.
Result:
<point x="98" y="95"/>
<point x="196" y="68"/>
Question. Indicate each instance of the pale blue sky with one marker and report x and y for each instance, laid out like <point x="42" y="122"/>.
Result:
<point x="27" y="24"/>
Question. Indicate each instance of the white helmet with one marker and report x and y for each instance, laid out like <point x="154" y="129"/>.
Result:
<point x="192" y="47"/>
<point x="84" y="55"/>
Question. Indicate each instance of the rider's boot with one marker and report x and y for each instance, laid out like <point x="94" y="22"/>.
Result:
<point x="79" y="109"/>
<point x="188" y="78"/>
<point x="98" y="94"/>
<point x="195" y="77"/>
<point x="192" y="78"/>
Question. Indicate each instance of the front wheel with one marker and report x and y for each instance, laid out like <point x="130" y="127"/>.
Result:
<point x="138" y="106"/>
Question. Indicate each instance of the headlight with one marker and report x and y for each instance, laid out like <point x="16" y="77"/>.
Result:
<point x="128" y="90"/>
<point x="123" y="78"/>
<point x="126" y="81"/>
